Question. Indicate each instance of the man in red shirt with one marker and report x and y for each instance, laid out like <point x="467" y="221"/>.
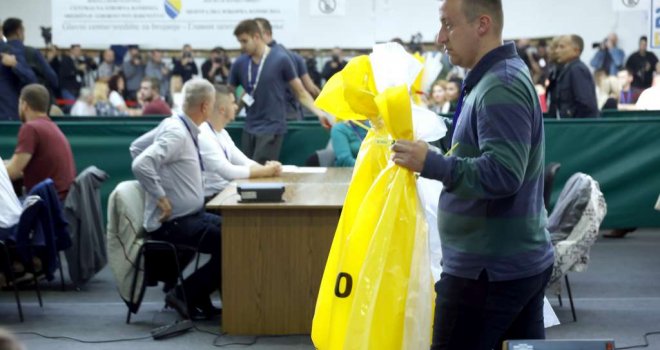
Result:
<point x="151" y="100"/>
<point x="42" y="150"/>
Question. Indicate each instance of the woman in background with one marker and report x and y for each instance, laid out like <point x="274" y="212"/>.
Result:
<point x="117" y="86"/>
<point x="346" y="139"/>
<point x="101" y="103"/>
<point x="439" y="103"/>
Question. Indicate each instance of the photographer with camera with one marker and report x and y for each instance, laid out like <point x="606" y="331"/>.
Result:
<point x="72" y="70"/>
<point x="335" y="64"/>
<point x="108" y="67"/>
<point x="185" y="67"/>
<point x="609" y="58"/>
<point x="133" y="72"/>
<point x="216" y="68"/>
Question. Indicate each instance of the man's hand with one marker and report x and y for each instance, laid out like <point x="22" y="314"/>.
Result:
<point x="275" y="167"/>
<point x="9" y="60"/>
<point x="410" y="154"/>
<point x="164" y="205"/>
<point x="324" y="120"/>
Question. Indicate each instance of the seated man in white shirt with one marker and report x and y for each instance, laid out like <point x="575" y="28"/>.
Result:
<point x="10" y="206"/>
<point x="223" y="161"/>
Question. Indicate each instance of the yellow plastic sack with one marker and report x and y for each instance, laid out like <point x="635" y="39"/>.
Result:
<point x="416" y="89"/>
<point x="376" y="291"/>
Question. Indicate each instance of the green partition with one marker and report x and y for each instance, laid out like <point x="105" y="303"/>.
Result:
<point x="104" y="142"/>
<point x="622" y="153"/>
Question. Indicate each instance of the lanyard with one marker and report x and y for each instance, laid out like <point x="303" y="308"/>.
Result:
<point x="199" y="155"/>
<point x="220" y="143"/>
<point x="626" y="96"/>
<point x="252" y="86"/>
<point x="355" y="130"/>
<point x="459" y="106"/>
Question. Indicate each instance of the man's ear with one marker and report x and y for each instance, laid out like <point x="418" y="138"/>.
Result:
<point x="485" y="22"/>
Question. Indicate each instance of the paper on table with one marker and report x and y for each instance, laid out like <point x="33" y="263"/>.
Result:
<point x="303" y="170"/>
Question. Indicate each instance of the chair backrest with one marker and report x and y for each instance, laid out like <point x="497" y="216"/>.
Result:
<point x="32" y="207"/>
<point x="570" y="205"/>
<point x="323" y="157"/>
<point x="129" y="202"/>
<point x="548" y="182"/>
<point x="572" y="252"/>
<point x="326" y="157"/>
<point x="82" y="210"/>
<point x="124" y="238"/>
<point x="28" y="223"/>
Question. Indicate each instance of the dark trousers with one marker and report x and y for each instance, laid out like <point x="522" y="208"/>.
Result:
<point x="200" y="230"/>
<point x="480" y="315"/>
<point x="261" y="148"/>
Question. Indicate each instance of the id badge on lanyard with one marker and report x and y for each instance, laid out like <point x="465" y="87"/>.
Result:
<point x="247" y="98"/>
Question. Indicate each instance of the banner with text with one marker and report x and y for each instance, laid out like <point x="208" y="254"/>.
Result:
<point x="166" y="24"/>
<point x="654" y="38"/>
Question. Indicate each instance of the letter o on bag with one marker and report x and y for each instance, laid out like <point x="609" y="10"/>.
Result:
<point x="347" y="289"/>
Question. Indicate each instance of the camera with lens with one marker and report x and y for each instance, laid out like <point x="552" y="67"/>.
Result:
<point x="599" y="45"/>
<point x="47" y="34"/>
<point x="218" y="60"/>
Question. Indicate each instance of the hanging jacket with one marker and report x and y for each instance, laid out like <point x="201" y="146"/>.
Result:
<point x="125" y="236"/>
<point x="82" y="210"/>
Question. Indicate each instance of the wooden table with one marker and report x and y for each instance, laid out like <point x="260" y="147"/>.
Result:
<point x="274" y="254"/>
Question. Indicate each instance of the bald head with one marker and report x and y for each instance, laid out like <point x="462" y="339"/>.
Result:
<point x="569" y="48"/>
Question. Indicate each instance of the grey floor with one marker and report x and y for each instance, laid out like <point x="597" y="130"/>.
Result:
<point x="617" y="298"/>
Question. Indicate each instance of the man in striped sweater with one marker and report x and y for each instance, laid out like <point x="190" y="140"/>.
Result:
<point x="497" y="255"/>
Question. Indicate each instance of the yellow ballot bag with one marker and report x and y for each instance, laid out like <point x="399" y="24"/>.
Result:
<point x="377" y="288"/>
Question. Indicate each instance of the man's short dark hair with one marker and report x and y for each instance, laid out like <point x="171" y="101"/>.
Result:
<point x="265" y="25"/>
<point x="248" y="26"/>
<point x="644" y="38"/>
<point x="155" y="83"/>
<point x="222" y="89"/>
<point x="577" y="42"/>
<point x="11" y="26"/>
<point x="475" y="8"/>
<point x="223" y="94"/>
<point x="37" y="98"/>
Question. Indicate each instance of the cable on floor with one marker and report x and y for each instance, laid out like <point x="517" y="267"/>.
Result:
<point x="59" y="337"/>
<point x="646" y="342"/>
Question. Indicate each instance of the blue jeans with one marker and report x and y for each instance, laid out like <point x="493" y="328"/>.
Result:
<point x="480" y="315"/>
<point x="201" y="230"/>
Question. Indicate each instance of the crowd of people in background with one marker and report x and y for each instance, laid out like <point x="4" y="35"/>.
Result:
<point x="111" y="84"/>
<point x="128" y="81"/>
